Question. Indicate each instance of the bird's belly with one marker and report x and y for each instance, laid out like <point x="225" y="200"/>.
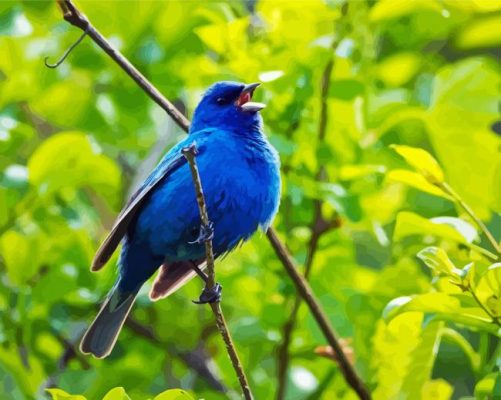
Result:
<point x="170" y="224"/>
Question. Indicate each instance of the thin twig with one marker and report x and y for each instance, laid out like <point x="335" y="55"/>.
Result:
<point x="72" y="15"/>
<point x="190" y="155"/>
<point x="319" y="226"/>
<point x="450" y="191"/>
<point x="494" y="318"/>
<point x="289" y="326"/>
<point x="306" y="293"/>
<point x="76" y="18"/>
<point x="66" y="53"/>
<point x="195" y="359"/>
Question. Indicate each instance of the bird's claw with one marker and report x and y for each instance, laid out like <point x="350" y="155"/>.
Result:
<point x="205" y="234"/>
<point x="210" y="295"/>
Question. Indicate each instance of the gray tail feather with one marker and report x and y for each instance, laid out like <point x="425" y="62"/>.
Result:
<point x="103" y="332"/>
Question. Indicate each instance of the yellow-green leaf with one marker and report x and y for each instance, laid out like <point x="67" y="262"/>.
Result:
<point x="485" y="32"/>
<point x="404" y="341"/>
<point x="398" y="69"/>
<point x="437" y="389"/>
<point x="70" y="160"/>
<point x="417" y="181"/>
<point x="437" y="259"/>
<point x="17" y="251"/>
<point x="488" y="289"/>
<point x="389" y="9"/>
<point x="409" y="224"/>
<point x="427" y="303"/>
<point x="117" y="393"/>
<point x="174" y="394"/>
<point x="422" y="161"/>
<point x="59" y="394"/>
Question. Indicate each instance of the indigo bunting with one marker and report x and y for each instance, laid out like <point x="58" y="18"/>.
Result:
<point x="160" y="225"/>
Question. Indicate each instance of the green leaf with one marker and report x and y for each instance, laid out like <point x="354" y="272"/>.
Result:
<point x="485" y="387"/>
<point x="117" y="393"/>
<point x="345" y="89"/>
<point x="437" y="259"/>
<point x="174" y="394"/>
<point x="437" y="389"/>
<point x="404" y="342"/>
<point x="421" y="161"/>
<point x="464" y="105"/>
<point x="416" y="181"/>
<point x="59" y="394"/>
<point x="389" y="9"/>
<point x="485" y="32"/>
<point x="398" y="69"/>
<point x="70" y="160"/>
<point x="426" y="303"/>
<point x="27" y="380"/>
<point x="441" y="307"/>
<point x="75" y="92"/>
<point x="488" y="289"/>
<point x="18" y="253"/>
<point x="467" y="230"/>
<point x="409" y="224"/>
<point x="353" y="172"/>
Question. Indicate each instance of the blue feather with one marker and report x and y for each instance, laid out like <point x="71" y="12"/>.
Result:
<point x="239" y="170"/>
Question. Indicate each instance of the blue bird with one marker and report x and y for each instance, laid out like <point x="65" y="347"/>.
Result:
<point x="160" y="225"/>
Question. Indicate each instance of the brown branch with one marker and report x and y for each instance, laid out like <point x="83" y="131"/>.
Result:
<point x="70" y="352"/>
<point x="306" y="293"/>
<point x="72" y="15"/>
<point x="190" y="154"/>
<point x="76" y="18"/>
<point x="319" y="226"/>
<point x="195" y="359"/>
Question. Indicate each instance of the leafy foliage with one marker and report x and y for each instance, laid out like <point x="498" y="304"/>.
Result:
<point x="385" y="115"/>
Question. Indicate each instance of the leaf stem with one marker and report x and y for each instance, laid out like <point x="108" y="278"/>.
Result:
<point x="455" y="337"/>
<point x="451" y="192"/>
<point x="486" y="310"/>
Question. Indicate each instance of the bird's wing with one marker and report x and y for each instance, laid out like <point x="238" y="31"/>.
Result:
<point x="165" y="168"/>
<point x="172" y="161"/>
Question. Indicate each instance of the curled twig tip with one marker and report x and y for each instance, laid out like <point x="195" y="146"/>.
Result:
<point x="66" y="53"/>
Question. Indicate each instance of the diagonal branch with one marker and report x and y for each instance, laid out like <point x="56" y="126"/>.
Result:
<point x="195" y="359"/>
<point x="73" y="15"/>
<point x="306" y="293"/>
<point x="319" y="226"/>
<point x="76" y="18"/>
<point x="190" y="154"/>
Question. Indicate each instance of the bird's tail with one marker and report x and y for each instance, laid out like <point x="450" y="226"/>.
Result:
<point x="103" y="332"/>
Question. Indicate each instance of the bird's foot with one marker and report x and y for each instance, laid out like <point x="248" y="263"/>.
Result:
<point x="205" y="234"/>
<point x="210" y="295"/>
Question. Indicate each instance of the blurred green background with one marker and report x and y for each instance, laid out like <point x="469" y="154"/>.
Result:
<point x="343" y="81"/>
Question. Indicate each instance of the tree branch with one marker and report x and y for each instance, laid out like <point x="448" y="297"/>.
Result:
<point x="195" y="359"/>
<point x="72" y="15"/>
<point x="190" y="153"/>
<point x="306" y="293"/>
<point x="76" y="18"/>
<point x="319" y="226"/>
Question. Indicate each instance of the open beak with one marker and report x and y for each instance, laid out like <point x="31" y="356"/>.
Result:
<point x="244" y="100"/>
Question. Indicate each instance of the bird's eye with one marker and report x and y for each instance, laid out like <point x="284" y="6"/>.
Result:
<point x="221" y="101"/>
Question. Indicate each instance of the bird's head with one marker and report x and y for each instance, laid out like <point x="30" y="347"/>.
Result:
<point x="228" y="105"/>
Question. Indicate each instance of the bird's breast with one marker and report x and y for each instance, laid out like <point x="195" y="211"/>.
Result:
<point x="241" y="185"/>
